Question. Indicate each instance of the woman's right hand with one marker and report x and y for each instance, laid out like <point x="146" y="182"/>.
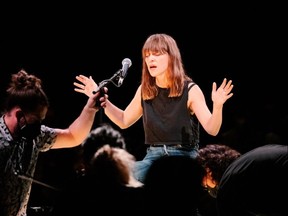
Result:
<point x="86" y="86"/>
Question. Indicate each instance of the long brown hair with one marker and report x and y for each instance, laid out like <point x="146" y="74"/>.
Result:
<point x="163" y="43"/>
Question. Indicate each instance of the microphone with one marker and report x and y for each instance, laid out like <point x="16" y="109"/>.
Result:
<point x="126" y="63"/>
<point x="119" y="75"/>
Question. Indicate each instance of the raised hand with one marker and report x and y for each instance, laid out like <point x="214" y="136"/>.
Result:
<point x="86" y="86"/>
<point x="223" y="93"/>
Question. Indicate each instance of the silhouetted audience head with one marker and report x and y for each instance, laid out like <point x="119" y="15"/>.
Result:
<point x="107" y="186"/>
<point x="112" y="166"/>
<point x="100" y="136"/>
<point x="174" y="181"/>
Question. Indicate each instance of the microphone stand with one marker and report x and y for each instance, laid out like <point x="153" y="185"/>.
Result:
<point x="18" y="165"/>
<point x="36" y="181"/>
<point x="110" y="80"/>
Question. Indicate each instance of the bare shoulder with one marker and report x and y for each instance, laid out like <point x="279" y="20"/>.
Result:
<point x="195" y="92"/>
<point x="138" y="92"/>
<point x="193" y="87"/>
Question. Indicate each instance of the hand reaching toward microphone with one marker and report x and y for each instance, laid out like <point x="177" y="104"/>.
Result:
<point x="86" y="86"/>
<point x="89" y="87"/>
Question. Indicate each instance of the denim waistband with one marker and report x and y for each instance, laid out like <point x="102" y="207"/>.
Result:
<point x="173" y="145"/>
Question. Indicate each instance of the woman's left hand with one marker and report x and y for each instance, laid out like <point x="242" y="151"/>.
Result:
<point x="223" y="93"/>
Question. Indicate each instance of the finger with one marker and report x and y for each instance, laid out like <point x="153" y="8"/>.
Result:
<point x="105" y="97"/>
<point x="103" y="104"/>
<point x="229" y="83"/>
<point x="214" y="86"/>
<point x="90" y="77"/>
<point x="78" y="90"/>
<point x="229" y="96"/>
<point x="229" y="87"/>
<point x="105" y="89"/>
<point x="82" y="76"/>
<point x="79" y="78"/>
<point x="77" y="84"/>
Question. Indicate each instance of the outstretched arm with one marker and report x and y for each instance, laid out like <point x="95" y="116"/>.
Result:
<point x="211" y="122"/>
<point x="122" y="118"/>
<point x="77" y="132"/>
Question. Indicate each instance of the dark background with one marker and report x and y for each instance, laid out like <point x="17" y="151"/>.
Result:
<point x="240" y="41"/>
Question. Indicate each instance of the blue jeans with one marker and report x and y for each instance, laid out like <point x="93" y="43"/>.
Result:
<point x="153" y="153"/>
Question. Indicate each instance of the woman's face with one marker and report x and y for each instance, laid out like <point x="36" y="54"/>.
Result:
<point x="157" y="63"/>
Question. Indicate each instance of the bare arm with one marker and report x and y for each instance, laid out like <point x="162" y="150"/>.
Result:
<point x="211" y="122"/>
<point x="122" y="118"/>
<point x="129" y="116"/>
<point x="80" y="128"/>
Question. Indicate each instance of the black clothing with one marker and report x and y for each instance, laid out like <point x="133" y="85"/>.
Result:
<point x="167" y="121"/>
<point x="256" y="183"/>
<point x="87" y="196"/>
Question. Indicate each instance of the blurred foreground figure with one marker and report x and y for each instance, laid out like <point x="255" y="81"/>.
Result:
<point x="23" y="136"/>
<point x="173" y="184"/>
<point x="107" y="186"/>
<point x="256" y="183"/>
<point x="251" y="184"/>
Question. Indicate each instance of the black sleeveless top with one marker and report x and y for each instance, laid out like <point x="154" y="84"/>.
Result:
<point x="167" y="120"/>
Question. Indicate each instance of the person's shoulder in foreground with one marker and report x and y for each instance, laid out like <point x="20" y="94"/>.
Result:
<point x="23" y="136"/>
<point x="254" y="183"/>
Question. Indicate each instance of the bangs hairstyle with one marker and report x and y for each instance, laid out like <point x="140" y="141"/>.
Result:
<point x="163" y="44"/>
<point x="156" y="43"/>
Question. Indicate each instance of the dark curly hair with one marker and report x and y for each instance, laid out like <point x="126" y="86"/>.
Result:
<point x="217" y="158"/>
